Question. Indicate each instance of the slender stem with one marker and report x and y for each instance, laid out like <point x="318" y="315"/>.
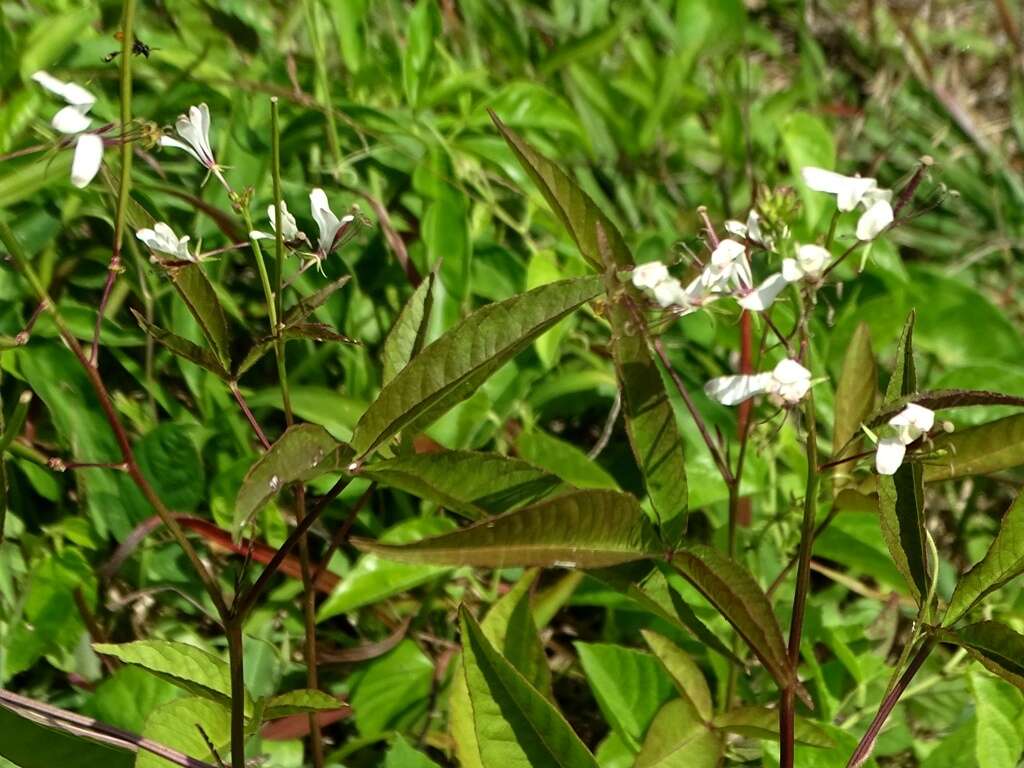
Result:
<point x="867" y="742"/>
<point x="323" y="82"/>
<point x="261" y="267"/>
<point x="124" y="189"/>
<point x="236" y="657"/>
<point x="21" y="260"/>
<point x="907" y="193"/>
<point x="275" y="167"/>
<point x="233" y="386"/>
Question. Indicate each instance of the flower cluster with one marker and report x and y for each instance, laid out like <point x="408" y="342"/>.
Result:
<point x="788" y="383"/>
<point x="194" y="130"/>
<point x="905" y="427"/>
<point x="74" y="120"/>
<point x="851" y="191"/>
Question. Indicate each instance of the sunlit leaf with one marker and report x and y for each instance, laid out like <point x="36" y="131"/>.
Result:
<point x="177" y="724"/>
<point x="296" y="702"/>
<point x="855" y="398"/>
<point x="997" y="647"/>
<point x="687" y="676"/>
<point x="981" y="450"/>
<point x="678" y="739"/>
<point x="407" y="335"/>
<point x="763" y="723"/>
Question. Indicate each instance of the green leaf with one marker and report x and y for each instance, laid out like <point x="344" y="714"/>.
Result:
<point x="470" y="483"/>
<point x="200" y="298"/>
<point x="1003" y="561"/>
<point x="186" y="666"/>
<point x="409" y="332"/>
<point x="516" y="726"/>
<point x="903" y="381"/>
<point x="170" y="461"/>
<point x="678" y="739"/>
<point x="313" y="331"/>
<point x="570" y="204"/>
<point x="453" y="367"/>
<point x="376" y="578"/>
<point x="403" y="755"/>
<point x="999" y="731"/>
<point x="630" y="686"/>
<point x="981" y="450"/>
<point x="563" y="459"/>
<point x="392" y="692"/>
<point x="183" y="348"/>
<point x="29" y="744"/>
<point x="685" y="673"/>
<point x="855" y="399"/>
<point x="732" y="590"/>
<point x="302" y="453"/>
<point x="650" y="424"/>
<point x="305" y="306"/>
<point x="126" y="698"/>
<point x="177" y="724"/>
<point x="937" y="399"/>
<point x="901" y="516"/>
<point x="763" y="723"/>
<point x="582" y="529"/>
<point x="997" y="647"/>
<point x="808" y="141"/>
<point x="510" y="628"/>
<point x="297" y="702"/>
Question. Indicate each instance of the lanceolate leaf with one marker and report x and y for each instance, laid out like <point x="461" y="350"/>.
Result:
<point x="184" y="665"/>
<point x="29" y="744"/>
<point x="678" y="739"/>
<point x="685" y="673"/>
<point x="473" y="484"/>
<point x="650" y="423"/>
<point x="296" y="702"/>
<point x="577" y="212"/>
<point x="303" y="452"/>
<point x="304" y="307"/>
<point x="938" y="399"/>
<point x="981" y="450"/>
<point x="202" y="302"/>
<point x="182" y="347"/>
<point x="1003" y="562"/>
<point x="583" y="529"/>
<point x="855" y="399"/>
<point x="999" y="648"/>
<point x="313" y="331"/>
<point x="451" y="368"/>
<point x="903" y="381"/>
<point x="732" y="590"/>
<point x="901" y="515"/>
<point x="763" y="723"/>
<point x="516" y="726"/>
<point x="409" y="331"/>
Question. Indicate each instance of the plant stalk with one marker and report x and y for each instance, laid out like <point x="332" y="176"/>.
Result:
<point x="236" y="656"/>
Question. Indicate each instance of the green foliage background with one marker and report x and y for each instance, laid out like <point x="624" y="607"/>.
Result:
<point x="657" y="108"/>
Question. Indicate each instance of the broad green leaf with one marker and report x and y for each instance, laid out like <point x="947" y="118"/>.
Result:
<point x="392" y="692"/>
<point x="732" y="590"/>
<point x="305" y="306"/>
<point x="937" y="399"/>
<point x="403" y="755"/>
<point x="183" y="348"/>
<point x="650" y="424"/>
<point x="516" y="726"/>
<point x="582" y="529"/>
<point x="1003" y="561"/>
<point x="297" y="702"/>
<point x="901" y="516"/>
<point x="450" y="369"/>
<point x="177" y="724"/>
<point x="981" y="450"/>
<point x="763" y="723"/>
<point x="630" y="686"/>
<point x="678" y="739"/>
<point x="127" y="697"/>
<point x="169" y="459"/>
<point x="407" y="335"/>
<point x="685" y="673"/>
<point x="999" y="730"/>
<point x="376" y="578"/>
<point x="29" y="744"/>
<point x="997" y="647"/>
<point x="200" y="298"/>
<point x="186" y="666"/>
<point x="302" y="453"/>
<point x="563" y="459"/>
<point x="470" y="483"/>
<point x="855" y="399"/>
<point x="570" y="204"/>
<point x="510" y="628"/>
<point x="903" y="381"/>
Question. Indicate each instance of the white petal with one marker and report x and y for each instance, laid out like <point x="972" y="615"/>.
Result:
<point x="736" y="228"/>
<point x="70" y="120"/>
<point x="812" y="259"/>
<point x="167" y="141"/>
<point x="821" y="180"/>
<point x="255" y="234"/>
<point x="72" y="93"/>
<point x="732" y="390"/>
<point x="87" y="160"/>
<point x="790" y="372"/>
<point x="791" y="270"/>
<point x="874" y="220"/>
<point x="649" y="275"/>
<point x="727" y="252"/>
<point x="889" y="455"/>
<point x="762" y="297"/>
<point x="204" y="127"/>
<point x="325" y="219"/>
<point x="669" y="293"/>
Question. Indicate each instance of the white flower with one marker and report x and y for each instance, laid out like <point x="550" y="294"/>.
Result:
<point x="161" y="239"/>
<point x="810" y="263"/>
<point x="875" y="219"/>
<point x="194" y="130"/>
<point x="750" y="231"/>
<point x="762" y="297"/>
<point x="789" y="381"/>
<point x="74" y="120"/>
<point x="728" y="266"/>
<point x="649" y="275"/>
<point x="851" y="191"/>
<point x="670" y="292"/>
<point x="331" y="227"/>
<point x="907" y="426"/>
<point x="289" y="229"/>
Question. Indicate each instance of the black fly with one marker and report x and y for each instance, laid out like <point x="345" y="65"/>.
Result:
<point x="139" y="48"/>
